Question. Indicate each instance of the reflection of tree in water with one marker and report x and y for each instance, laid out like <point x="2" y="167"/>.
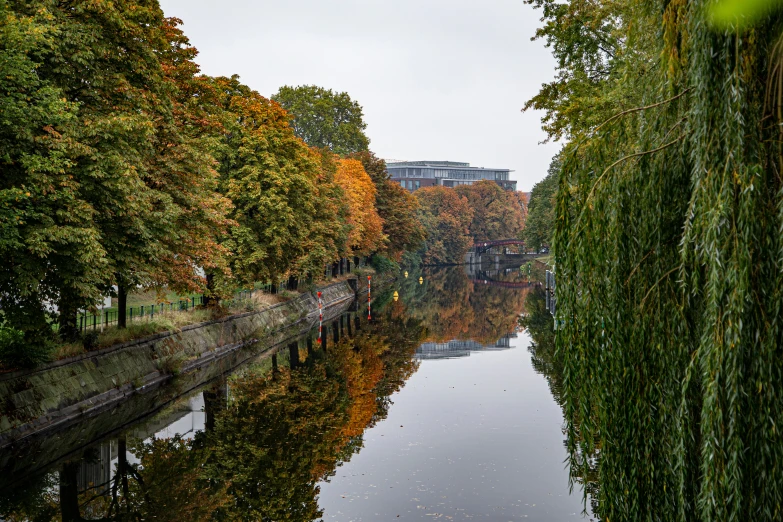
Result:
<point x="540" y="324"/>
<point x="263" y="455"/>
<point x="455" y="308"/>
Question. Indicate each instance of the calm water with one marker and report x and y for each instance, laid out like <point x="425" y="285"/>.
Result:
<point x="439" y="408"/>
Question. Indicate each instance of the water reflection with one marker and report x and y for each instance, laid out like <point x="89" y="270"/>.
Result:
<point x="539" y="323"/>
<point x="262" y="443"/>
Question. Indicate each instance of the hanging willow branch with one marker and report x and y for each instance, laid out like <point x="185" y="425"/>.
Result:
<point x="669" y="301"/>
<point x="639" y="109"/>
<point x="590" y="194"/>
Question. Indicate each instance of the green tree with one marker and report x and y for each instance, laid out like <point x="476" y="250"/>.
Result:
<point x="327" y="240"/>
<point x="586" y="39"/>
<point x="540" y="223"/>
<point x="47" y="234"/>
<point x="104" y="59"/>
<point x="324" y="118"/>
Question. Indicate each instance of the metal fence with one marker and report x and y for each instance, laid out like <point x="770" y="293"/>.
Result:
<point x="89" y="321"/>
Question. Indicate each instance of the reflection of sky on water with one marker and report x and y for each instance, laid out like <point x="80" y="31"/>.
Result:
<point x="469" y="438"/>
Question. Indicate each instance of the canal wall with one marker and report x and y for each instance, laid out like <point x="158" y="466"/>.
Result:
<point x="64" y="392"/>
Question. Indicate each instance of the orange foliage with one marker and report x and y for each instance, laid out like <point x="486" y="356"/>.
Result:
<point x="363" y="369"/>
<point x="366" y="234"/>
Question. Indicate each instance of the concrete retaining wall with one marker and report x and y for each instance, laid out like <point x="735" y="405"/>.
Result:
<point x="65" y="391"/>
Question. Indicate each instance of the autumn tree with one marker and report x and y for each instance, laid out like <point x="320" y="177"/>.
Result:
<point x="366" y="235"/>
<point x="397" y="207"/>
<point x="324" y="118"/>
<point x="269" y="175"/>
<point x="121" y="101"/>
<point x="186" y="170"/>
<point x="497" y="213"/>
<point x="327" y="239"/>
<point x="446" y="216"/>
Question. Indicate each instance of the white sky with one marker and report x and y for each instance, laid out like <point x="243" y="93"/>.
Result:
<point x="438" y="79"/>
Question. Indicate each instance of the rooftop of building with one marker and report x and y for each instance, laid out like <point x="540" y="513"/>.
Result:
<point x="437" y="164"/>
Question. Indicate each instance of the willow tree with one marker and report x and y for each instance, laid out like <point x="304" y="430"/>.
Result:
<point x="669" y="256"/>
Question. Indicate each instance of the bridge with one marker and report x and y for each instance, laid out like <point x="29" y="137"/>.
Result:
<point x="481" y="247"/>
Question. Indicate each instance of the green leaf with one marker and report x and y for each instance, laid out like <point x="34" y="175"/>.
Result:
<point x="739" y="14"/>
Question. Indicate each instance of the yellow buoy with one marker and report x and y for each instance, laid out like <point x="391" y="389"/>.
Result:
<point x="396" y="296"/>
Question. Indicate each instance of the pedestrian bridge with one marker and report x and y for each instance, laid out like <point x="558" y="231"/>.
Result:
<point x="481" y="247"/>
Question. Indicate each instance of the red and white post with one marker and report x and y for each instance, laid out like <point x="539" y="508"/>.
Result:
<point x="320" y="315"/>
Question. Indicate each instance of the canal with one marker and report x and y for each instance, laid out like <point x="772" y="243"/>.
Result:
<point x="441" y="403"/>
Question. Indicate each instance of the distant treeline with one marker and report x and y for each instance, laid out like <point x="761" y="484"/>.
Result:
<point x="457" y="218"/>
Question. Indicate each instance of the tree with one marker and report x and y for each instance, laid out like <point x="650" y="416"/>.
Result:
<point x="540" y="224"/>
<point x="270" y="177"/>
<point x="187" y="173"/>
<point x="497" y="213"/>
<point x="47" y="234"/>
<point x="396" y="206"/>
<point x="667" y="246"/>
<point x="586" y="39"/>
<point x="118" y="88"/>
<point x="324" y="118"/>
<point x="446" y="217"/>
<point x="366" y="235"/>
<point x="327" y="240"/>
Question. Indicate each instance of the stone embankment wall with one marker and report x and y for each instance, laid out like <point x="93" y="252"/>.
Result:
<point x="65" y="391"/>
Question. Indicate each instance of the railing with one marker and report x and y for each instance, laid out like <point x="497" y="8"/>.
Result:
<point x="102" y="319"/>
<point x="89" y="321"/>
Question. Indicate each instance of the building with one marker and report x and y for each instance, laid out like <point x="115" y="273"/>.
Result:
<point x="413" y="175"/>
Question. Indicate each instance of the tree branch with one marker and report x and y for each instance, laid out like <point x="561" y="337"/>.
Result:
<point x="639" y="109"/>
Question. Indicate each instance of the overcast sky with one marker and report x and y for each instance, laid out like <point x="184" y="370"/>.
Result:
<point x="438" y="79"/>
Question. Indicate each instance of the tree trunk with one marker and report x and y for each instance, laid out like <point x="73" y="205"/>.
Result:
<point x="69" y="329"/>
<point x="209" y="299"/>
<point x="69" y="493"/>
<point x="293" y="355"/>
<point x="122" y="306"/>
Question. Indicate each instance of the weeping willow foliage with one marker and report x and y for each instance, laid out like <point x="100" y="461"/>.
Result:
<point x="669" y="256"/>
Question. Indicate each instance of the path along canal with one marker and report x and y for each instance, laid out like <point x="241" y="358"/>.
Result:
<point x="439" y="407"/>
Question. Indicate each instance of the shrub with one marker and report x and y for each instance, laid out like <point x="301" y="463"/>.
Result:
<point x="18" y="352"/>
<point x="383" y="264"/>
<point x="90" y="341"/>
